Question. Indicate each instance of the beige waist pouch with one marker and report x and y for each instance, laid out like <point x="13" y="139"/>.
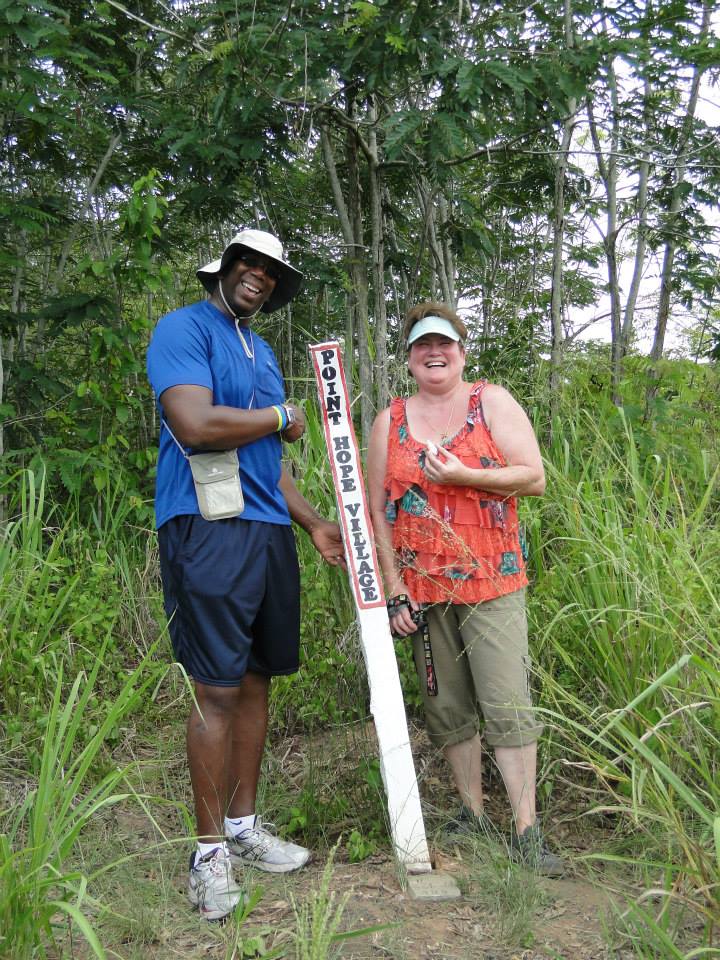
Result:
<point x="216" y="477"/>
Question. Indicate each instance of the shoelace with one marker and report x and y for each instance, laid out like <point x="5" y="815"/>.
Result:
<point x="255" y="840"/>
<point x="217" y="865"/>
<point x="262" y="827"/>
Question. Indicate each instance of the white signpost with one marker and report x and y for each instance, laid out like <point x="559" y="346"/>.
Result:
<point x="386" y="701"/>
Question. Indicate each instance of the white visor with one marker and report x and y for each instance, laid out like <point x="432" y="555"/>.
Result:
<point x="438" y="325"/>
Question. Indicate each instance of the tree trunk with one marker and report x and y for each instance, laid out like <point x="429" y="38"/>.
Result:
<point x="607" y="168"/>
<point x="378" y="268"/>
<point x="350" y="217"/>
<point x="437" y="264"/>
<point x="628" y="326"/>
<point x="676" y="204"/>
<point x="361" y="288"/>
<point x="447" y="254"/>
<point x="395" y="247"/>
<point x="87" y="202"/>
<point x="557" y="292"/>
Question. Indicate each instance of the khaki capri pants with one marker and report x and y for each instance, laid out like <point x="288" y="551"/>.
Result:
<point x="480" y="653"/>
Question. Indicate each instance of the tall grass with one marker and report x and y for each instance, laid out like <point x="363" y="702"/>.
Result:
<point x="40" y="884"/>
<point x="625" y="570"/>
<point x="67" y="685"/>
<point x="63" y="588"/>
<point x="626" y="609"/>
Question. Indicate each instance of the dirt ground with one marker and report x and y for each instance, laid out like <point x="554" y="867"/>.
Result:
<point x="565" y="922"/>
<point x="504" y="912"/>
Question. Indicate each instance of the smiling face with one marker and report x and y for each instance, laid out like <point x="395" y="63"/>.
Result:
<point x="436" y="361"/>
<point x="247" y="284"/>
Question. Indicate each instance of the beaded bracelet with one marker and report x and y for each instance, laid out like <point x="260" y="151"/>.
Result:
<point x="282" y="417"/>
<point x="398" y="603"/>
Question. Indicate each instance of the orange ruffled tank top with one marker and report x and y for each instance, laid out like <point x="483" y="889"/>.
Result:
<point x="454" y="544"/>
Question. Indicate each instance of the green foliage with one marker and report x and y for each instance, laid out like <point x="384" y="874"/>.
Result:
<point x="62" y="590"/>
<point x="38" y="882"/>
<point x="130" y="154"/>
<point x="626" y="616"/>
<point x="359" y="847"/>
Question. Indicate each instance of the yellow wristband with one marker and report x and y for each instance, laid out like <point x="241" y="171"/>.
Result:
<point x="280" y="417"/>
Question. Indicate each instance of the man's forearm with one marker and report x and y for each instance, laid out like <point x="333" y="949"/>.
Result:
<point x="301" y="512"/>
<point x="199" y="423"/>
<point x="226" y="427"/>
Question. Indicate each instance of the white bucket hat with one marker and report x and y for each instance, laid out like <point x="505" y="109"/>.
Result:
<point x="289" y="282"/>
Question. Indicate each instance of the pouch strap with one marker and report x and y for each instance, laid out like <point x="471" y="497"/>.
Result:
<point x="181" y="448"/>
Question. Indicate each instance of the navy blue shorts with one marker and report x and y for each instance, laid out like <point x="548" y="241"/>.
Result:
<point x="232" y="596"/>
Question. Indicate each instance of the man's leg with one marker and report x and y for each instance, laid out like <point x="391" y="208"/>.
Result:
<point x="211" y="885"/>
<point x="253" y="842"/>
<point x="246" y="745"/>
<point x="225" y="741"/>
<point x="209" y="735"/>
<point x="517" y="766"/>
<point x="465" y="761"/>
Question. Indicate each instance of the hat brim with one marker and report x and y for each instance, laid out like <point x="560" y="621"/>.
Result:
<point x="433" y="324"/>
<point x="286" y="289"/>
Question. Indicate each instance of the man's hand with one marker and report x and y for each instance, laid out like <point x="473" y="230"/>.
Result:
<point x="445" y="467"/>
<point x="295" y="430"/>
<point x="328" y="542"/>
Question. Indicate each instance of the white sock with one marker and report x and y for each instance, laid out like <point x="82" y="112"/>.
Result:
<point x="203" y="849"/>
<point x="236" y="825"/>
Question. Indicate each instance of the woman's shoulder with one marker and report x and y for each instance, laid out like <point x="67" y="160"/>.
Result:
<point x="490" y="392"/>
<point x="493" y="393"/>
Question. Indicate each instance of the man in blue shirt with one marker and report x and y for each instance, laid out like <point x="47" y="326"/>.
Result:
<point x="231" y="585"/>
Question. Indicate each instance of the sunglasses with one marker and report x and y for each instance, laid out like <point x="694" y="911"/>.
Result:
<point x="254" y="260"/>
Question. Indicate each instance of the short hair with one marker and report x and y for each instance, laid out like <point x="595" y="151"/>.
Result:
<point x="431" y="309"/>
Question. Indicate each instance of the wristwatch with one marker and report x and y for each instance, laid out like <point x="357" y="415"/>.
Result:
<point x="290" y="414"/>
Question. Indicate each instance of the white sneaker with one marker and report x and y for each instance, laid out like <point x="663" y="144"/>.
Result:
<point x="261" y="848"/>
<point x="211" y="887"/>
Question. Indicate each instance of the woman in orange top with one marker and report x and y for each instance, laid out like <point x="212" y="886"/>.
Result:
<point x="444" y="469"/>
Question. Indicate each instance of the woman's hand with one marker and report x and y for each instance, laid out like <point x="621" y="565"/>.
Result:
<point x="444" y="467"/>
<point x="401" y="621"/>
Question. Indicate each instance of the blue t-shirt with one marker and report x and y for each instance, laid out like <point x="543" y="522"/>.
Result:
<point x="200" y="345"/>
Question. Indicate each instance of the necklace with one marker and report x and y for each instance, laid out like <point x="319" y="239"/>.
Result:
<point x="249" y="350"/>
<point x="250" y="354"/>
<point x="444" y="434"/>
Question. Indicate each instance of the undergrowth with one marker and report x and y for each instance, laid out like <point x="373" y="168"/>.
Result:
<point x="625" y="619"/>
